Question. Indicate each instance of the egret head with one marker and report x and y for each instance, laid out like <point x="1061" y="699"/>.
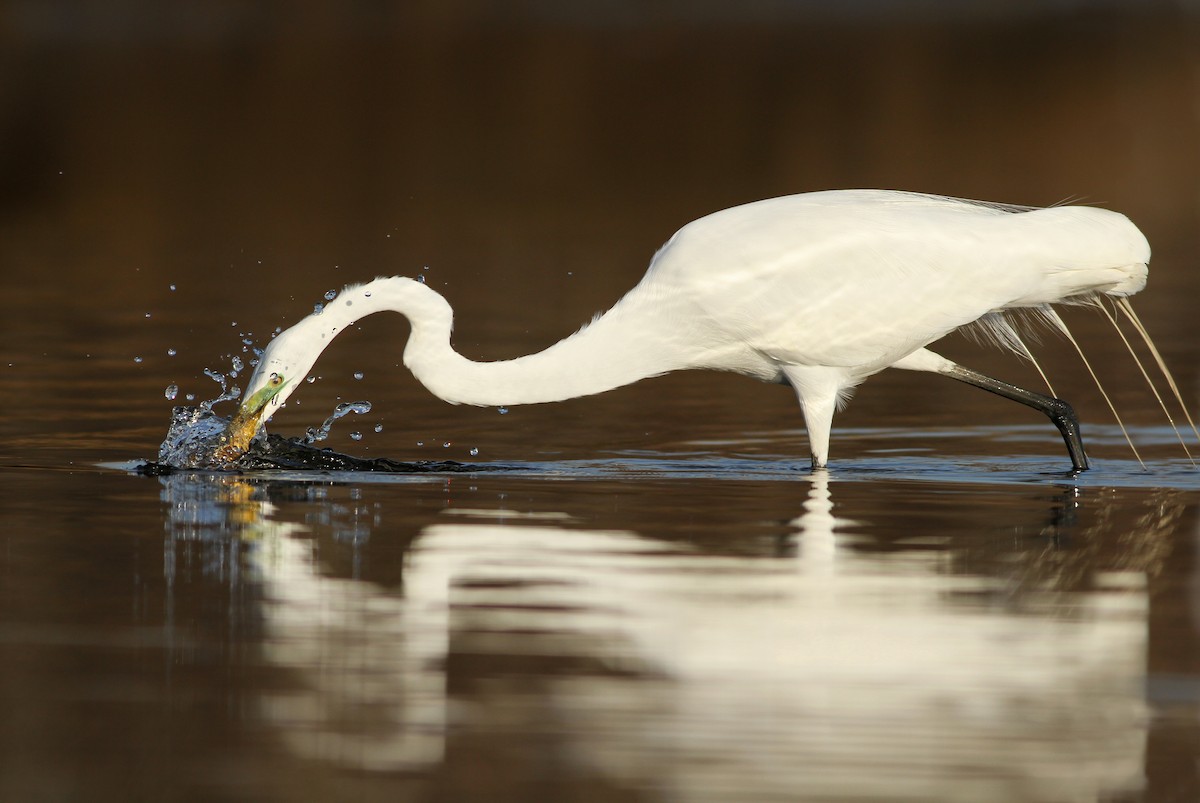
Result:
<point x="255" y="405"/>
<point x="293" y="352"/>
<point x="285" y="362"/>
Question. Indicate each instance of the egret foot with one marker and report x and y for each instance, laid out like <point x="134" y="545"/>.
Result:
<point x="1060" y="413"/>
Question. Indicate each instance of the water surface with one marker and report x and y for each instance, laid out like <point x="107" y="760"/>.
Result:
<point x="695" y="627"/>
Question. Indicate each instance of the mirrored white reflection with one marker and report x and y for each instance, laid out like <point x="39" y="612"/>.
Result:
<point x="833" y="673"/>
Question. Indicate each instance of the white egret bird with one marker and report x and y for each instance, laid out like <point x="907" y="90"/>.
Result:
<point x="818" y="291"/>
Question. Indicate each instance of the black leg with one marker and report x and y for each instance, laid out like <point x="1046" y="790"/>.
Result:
<point x="1058" y="411"/>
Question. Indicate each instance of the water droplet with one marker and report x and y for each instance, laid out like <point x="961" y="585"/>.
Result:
<point x="138" y="360"/>
<point x="474" y="451"/>
<point x="446" y="445"/>
<point x="171" y="392"/>
<point x="171" y="352"/>
<point x="190" y="397"/>
<point x="318" y="309"/>
<point x="420" y="279"/>
<point x="367" y="294"/>
<point x="330" y="295"/>
<point x="311" y="379"/>
<point x="172" y="288"/>
<point x="356" y="436"/>
<point x="319" y="434"/>
<point x="420" y="443"/>
<point x="379" y="427"/>
<point x="227" y="393"/>
<point x="238" y="364"/>
<point x="502" y="410"/>
<point x="358" y="374"/>
<point x="147" y="315"/>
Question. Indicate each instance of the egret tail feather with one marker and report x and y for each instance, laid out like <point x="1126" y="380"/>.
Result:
<point x="1127" y="308"/>
<point x="1061" y="324"/>
<point x="1004" y="329"/>
<point x="1153" y="389"/>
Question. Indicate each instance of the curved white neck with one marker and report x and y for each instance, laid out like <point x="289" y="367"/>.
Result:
<point x="617" y="349"/>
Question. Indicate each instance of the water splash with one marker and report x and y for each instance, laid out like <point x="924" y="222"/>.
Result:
<point x="193" y="438"/>
<point x="227" y="393"/>
<point x="316" y="434"/>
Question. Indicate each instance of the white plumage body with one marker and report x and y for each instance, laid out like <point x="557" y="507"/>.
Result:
<point x="859" y="279"/>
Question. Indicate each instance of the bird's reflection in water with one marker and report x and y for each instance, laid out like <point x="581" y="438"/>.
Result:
<point x="535" y="646"/>
<point x="818" y="546"/>
<point x="371" y="691"/>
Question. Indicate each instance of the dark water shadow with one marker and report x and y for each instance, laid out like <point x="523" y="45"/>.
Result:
<point x="327" y="466"/>
<point x="276" y="453"/>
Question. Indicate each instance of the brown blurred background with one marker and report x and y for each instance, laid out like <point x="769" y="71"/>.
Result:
<point x="390" y="134"/>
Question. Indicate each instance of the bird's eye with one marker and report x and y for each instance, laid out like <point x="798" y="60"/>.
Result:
<point x="276" y="380"/>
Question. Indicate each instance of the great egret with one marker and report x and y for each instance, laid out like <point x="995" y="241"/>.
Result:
<point x="818" y="291"/>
